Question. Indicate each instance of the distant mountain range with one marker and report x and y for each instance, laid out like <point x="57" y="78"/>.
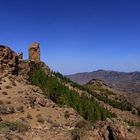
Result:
<point x="129" y="82"/>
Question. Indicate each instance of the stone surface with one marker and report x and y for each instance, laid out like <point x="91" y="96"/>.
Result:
<point x="34" y="51"/>
<point x="42" y="102"/>
<point x="8" y="60"/>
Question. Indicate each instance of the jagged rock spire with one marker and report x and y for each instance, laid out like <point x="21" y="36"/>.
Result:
<point x="34" y="51"/>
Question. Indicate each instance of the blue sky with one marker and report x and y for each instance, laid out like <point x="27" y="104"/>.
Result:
<point x="75" y="35"/>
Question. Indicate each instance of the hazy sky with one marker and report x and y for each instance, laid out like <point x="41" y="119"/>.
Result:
<point x="75" y="35"/>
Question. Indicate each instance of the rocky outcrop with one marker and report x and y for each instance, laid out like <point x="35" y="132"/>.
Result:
<point x="34" y="51"/>
<point x="8" y="60"/>
<point x="13" y="63"/>
<point x="115" y="130"/>
<point x="110" y="129"/>
<point x="28" y="65"/>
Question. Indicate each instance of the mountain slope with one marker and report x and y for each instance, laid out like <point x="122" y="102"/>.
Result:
<point x="38" y="104"/>
<point x="129" y="82"/>
<point x="38" y="118"/>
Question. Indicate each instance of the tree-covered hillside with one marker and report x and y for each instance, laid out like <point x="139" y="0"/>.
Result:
<point x="62" y="95"/>
<point x="103" y="96"/>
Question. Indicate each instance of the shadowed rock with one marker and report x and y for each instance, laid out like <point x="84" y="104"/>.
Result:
<point x="8" y="60"/>
<point x="20" y="56"/>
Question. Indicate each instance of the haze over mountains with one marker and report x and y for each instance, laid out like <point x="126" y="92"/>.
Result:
<point x="129" y="82"/>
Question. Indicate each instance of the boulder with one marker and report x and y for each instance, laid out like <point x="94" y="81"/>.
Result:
<point x="42" y="102"/>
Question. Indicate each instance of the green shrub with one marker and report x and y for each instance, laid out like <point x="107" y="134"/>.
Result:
<point x="4" y="109"/>
<point x="40" y="119"/>
<point x="6" y="126"/>
<point x="83" y="124"/>
<point x="132" y="123"/>
<point x="20" y="109"/>
<point x="138" y="111"/>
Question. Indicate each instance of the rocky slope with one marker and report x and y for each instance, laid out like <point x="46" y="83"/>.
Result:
<point x="39" y="118"/>
<point x="25" y="103"/>
<point x="27" y="114"/>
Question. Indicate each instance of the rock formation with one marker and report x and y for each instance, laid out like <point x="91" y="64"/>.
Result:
<point x="34" y="51"/>
<point x="114" y="129"/>
<point x="13" y="63"/>
<point x="26" y="113"/>
<point x="8" y="60"/>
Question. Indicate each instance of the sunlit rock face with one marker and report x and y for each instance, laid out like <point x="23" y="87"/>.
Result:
<point x="34" y="51"/>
